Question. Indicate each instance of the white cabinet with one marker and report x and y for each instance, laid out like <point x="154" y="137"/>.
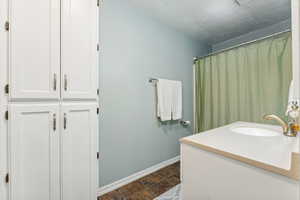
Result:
<point x="79" y="49"/>
<point x="3" y="153"/>
<point x="52" y="41"/>
<point x="53" y="151"/>
<point x="34" y="49"/>
<point x="79" y="151"/>
<point x="210" y="176"/>
<point x="34" y="152"/>
<point x="52" y="57"/>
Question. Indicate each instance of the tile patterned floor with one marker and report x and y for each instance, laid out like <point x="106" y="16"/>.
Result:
<point x="148" y="187"/>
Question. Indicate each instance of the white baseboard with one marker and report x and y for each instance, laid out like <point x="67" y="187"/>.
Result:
<point x="115" y="185"/>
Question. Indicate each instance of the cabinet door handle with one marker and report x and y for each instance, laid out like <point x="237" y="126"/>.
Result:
<point x="66" y="82"/>
<point x="55" y="82"/>
<point x="54" y="122"/>
<point x="65" y="121"/>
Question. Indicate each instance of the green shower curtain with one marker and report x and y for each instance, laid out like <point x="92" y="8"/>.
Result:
<point x="244" y="83"/>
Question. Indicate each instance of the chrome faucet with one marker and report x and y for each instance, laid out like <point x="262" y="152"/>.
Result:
<point x="288" y="128"/>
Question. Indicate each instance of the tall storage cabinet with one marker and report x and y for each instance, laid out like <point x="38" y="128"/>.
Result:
<point x="52" y="99"/>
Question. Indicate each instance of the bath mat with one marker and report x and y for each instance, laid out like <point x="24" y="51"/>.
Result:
<point x="172" y="194"/>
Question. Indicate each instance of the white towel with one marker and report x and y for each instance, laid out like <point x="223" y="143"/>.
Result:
<point x="176" y="100"/>
<point x="164" y="99"/>
<point x="169" y="100"/>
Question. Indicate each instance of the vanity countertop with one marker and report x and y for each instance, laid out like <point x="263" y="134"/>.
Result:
<point x="279" y="154"/>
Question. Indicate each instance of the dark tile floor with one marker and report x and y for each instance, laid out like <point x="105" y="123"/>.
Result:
<point x="148" y="187"/>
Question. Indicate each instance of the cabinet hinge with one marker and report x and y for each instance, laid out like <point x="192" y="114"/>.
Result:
<point x="54" y="122"/>
<point x="98" y="155"/>
<point x="98" y="3"/>
<point x="98" y="47"/>
<point x="6" y="88"/>
<point x="7" y="178"/>
<point x="6" y="26"/>
<point x="98" y="110"/>
<point x="6" y="115"/>
<point x="98" y="92"/>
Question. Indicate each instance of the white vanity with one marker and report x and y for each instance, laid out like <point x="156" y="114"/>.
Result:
<point x="240" y="161"/>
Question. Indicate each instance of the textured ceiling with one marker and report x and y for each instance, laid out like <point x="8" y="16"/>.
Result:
<point x="213" y="21"/>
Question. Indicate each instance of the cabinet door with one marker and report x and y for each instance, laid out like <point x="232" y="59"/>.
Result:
<point x="3" y="153"/>
<point x="79" y="49"/>
<point x="79" y="151"/>
<point x="34" y="152"/>
<point x="34" y="49"/>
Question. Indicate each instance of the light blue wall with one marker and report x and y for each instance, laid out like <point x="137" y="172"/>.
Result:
<point x="134" y="48"/>
<point x="281" y="26"/>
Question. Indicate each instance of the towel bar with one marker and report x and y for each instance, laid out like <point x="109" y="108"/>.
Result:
<point x="153" y="80"/>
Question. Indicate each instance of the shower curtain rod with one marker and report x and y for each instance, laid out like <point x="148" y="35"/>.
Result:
<point x="239" y="45"/>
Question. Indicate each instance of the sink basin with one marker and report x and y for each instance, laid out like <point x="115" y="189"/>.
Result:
<point x="252" y="131"/>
